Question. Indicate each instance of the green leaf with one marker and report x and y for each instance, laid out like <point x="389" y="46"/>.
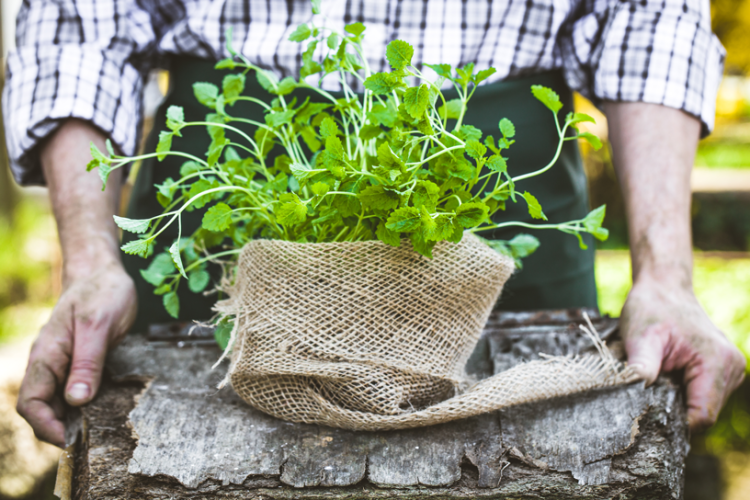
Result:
<point x="472" y="214"/>
<point x="416" y="100"/>
<point x="223" y="333"/>
<point x="523" y="245"/>
<point x="190" y="167"/>
<point x="384" y="114"/>
<point x="452" y="108"/>
<point x="158" y="270"/>
<point x="475" y="149"/>
<point x="206" y="93"/>
<point x="301" y="172"/>
<point x="535" y="208"/>
<point x="316" y="6"/>
<point x="172" y="304"/>
<point x="132" y="225"/>
<point x="379" y="198"/>
<point x="399" y="54"/>
<point x="329" y="128"/>
<point x="507" y="128"/>
<point x="404" y="220"/>
<point x="301" y="34"/>
<point x="164" y="145"/>
<point x="291" y="211"/>
<point x="426" y="193"/>
<point x="266" y="79"/>
<point x="442" y="228"/>
<point x="232" y="86"/>
<point x="369" y="132"/>
<point x="137" y="247"/>
<point x="165" y="288"/>
<point x="333" y="41"/>
<point x="110" y="149"/>
<point x="593" y="223"/>
<point x="198" y="280"/>
<point x="286" y="86"/>
<point x="175" y="118"/>
<point x="104" y="171"/>
<point x="199" y="187"/>
<point x="279" y="118"/>
<point x="320" y="188"/>
<point x="388" y="160"/>
<point x="421" y="245"/>
<point x="227" y="63"/>
<point x="483" y="75"/>
<point x="310" y="137"/>
<point x="174" y="251"/>
<point x="443" y="70"/>
<point x="461" y="169"/>
<point x="382" y="83"/>
<point x="280" y="183"/>
<point x="217" y="218"/>
<point x="591" y="139"/>
<point x="355" y="29"/>
<point x="458" y="232"/>
<point x="497" y="163"/>
<point x="574" y="118"/>
<point x="468" y="132"/>
<point x="548" y="97"/>
<point x="387" y="236"/>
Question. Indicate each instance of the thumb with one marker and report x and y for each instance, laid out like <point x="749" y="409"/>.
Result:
<point x="89" y="351"/>
<point x="646" y="351"/>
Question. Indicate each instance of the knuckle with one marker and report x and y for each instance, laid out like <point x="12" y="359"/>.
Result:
<point x="85" y="367"/>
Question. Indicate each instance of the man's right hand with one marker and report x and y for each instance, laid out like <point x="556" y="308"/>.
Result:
<point x="98" y="303"/>
<point x="93" y="314"/>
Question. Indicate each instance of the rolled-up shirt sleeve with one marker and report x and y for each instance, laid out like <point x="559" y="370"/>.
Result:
<point x="653" y="51"/>
<point x="74" y="59"/>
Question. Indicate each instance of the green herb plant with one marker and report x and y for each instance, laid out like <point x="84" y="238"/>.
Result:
<point x="396" y="161"/>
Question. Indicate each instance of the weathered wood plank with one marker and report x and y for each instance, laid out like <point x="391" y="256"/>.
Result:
<point x="197" y="442"/>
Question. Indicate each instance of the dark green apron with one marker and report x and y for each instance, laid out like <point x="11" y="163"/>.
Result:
<point x="558" y="275"/>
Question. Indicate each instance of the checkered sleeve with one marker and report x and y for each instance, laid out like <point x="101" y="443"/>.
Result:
<point x="654" y="51"/>
<point x="74" y="59"/>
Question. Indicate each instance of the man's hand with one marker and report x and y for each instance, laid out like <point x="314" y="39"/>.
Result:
<point x="664" y="326"/>
<point x="98" y="303"/>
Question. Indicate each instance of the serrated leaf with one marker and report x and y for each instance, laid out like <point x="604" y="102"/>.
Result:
<point x="137" y="247"/>
<point x="175" y="118"/>
<point x="301" y="34"/>
<point x="535" y="208"/>
<point x="387" y="236"/>
<point x="329" y="128"/>
<point x="172" y="304"/>
<point x="421" y="245"/>
<point x="483" y="75"/>
<point x="110" y="149"/>
<point x="355" y="29"/>
<point x="232" y="86"/>
<point x="443" y="70"/>
<point x="174" y="252"/>
<point x="369" y="132"/>
<point x="591" y="139"/>
<point x="286" y="86"/>
<point x="548" y="97"/>
<point x="198" y="280"/>
<point x="497" y="163"/>
<point x="189" y="167"/>
<point x="382" y="83"/>
<point x="457" y="234"/>
<point x="379" y="198"/>
<point x="442" y="228"/>
<point x="320" y="188"/>
<point x="104" y="171"/>
<point x="416" y="100"/>
<point x="279" y="118"/>
<point x="399" y="54"/>
<point x="426" y="193"/>
<point x="389" y="160"/>
<point x="291" y="210"/>
<point x="199" y="187"/>
<point x="218" y="218"/>
<point x="266" y="79"/>
<point x="507" y="128"/>
<point x="574" y="118"/>
<point x="472" y="214"/>
<point x="468" y="132"/>
<point x="301" y="171"/>
<point x="384" y="114"/>
<point x="404" y="220"/>
<point x="159" y="269"/>
<point x="132" y="225"/>
<point x="164" y="145"/>
<point x="475" y="149"/>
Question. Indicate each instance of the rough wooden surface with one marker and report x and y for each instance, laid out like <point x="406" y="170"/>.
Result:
<point x="194" y="441"/>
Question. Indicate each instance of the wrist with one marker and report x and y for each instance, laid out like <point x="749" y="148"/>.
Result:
<point x="95" y="255"/>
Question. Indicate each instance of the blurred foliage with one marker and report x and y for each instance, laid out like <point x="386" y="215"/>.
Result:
<point x="28" y="254"/>
<point x="731" y="23"/>
<point x="713" y="154"/>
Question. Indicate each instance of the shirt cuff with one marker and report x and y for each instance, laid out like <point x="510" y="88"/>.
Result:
<point x="47" y="84"/>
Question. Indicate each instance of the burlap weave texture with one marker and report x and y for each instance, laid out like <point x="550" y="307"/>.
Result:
<point x="366" y="336"/>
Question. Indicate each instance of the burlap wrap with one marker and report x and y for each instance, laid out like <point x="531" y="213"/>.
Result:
<point x="366" y="336"/>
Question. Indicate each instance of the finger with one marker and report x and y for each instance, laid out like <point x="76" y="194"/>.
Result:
<point x="38" y="405"/>
<point x="705" y="393"/>
<point x="646" y="351"/>
<point x="89" y="351"/>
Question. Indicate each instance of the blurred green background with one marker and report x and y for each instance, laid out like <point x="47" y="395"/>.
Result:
<point x="720" y="463"/>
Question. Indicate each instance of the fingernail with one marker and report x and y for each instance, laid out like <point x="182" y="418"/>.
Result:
<point x="78" y="392"/>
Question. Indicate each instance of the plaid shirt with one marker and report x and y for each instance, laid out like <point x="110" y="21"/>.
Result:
<point x="88" y="58"/>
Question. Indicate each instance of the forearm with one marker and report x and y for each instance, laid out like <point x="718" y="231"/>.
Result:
<point x="654" y="148"/>
<point x="88" y="235"/>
